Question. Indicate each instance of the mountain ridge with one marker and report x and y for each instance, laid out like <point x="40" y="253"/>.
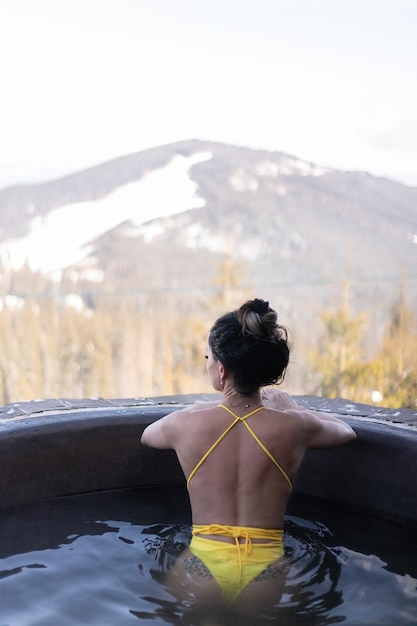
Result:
<point x="282" y="220"/>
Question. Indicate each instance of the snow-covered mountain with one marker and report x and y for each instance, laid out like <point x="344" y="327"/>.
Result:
<point x="168" y="217"/>
<point x="63" y="237"/>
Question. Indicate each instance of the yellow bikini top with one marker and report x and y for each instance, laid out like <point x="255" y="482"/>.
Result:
<point x="242" y="420"/>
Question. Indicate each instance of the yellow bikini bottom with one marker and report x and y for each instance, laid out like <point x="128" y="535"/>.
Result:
<point x="235" y="565"/>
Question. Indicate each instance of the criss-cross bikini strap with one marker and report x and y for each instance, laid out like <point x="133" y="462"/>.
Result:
<point x="259" y="442"/>
<point x="267" y="452"/>
<point x="210" y="450"/>
<point x="254" y="435"/>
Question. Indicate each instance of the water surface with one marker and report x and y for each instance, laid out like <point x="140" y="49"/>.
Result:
<point x="102" y="559"/>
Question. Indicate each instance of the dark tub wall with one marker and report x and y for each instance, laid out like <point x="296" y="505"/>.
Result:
<point x="54" y="454"/>
<point x="76" y="447"/>
<point x="376" y="472"/>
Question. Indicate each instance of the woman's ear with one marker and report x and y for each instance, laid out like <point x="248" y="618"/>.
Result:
<point x="222" y="373"/>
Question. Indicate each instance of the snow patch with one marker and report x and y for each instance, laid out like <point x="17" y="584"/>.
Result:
<point x="74" y="301"/>
<point x="62" y="238"/>
<point x="289" y="167"/>
<point x="11" y="303"/>
<point x="194" y="235"/>
<point x="149" y="231"/>
<point x="240" y="180"/>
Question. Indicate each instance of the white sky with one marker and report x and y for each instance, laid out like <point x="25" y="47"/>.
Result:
<point x="85" y="81"/>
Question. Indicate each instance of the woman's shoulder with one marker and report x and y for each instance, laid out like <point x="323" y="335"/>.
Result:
<point x="197" y="408"/>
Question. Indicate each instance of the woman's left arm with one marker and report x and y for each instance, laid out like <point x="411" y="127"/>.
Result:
<point x="160" y="434"/>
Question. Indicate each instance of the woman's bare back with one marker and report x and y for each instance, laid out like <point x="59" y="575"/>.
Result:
<point x="238" y="484"/>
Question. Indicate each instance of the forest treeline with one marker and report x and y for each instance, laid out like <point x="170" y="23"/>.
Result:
<point x="343" y="368"/>
<point x="148" y="344"/>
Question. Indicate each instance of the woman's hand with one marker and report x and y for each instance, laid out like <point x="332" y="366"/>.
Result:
<point x="277" y="399"/>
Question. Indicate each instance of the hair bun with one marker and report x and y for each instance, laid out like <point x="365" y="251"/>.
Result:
<point x="259" y="306"/>
<point x="258" y="319"/>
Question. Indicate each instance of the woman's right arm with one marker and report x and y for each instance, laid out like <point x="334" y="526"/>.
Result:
<point x="323" y="430"/>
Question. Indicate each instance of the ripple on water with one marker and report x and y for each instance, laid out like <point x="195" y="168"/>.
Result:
<point x="110" y="571"/>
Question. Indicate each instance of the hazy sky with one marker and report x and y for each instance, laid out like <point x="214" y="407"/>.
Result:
<point x="329" y="81"/>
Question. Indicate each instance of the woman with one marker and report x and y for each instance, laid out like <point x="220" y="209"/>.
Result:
<point x="240" y="457"/>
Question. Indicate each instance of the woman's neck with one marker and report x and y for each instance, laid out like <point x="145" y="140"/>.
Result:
<point x="233" y="399"/>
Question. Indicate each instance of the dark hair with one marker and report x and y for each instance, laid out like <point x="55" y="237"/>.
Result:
<point x="251" y="345"/>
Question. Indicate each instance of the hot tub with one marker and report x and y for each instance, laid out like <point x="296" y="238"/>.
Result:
<point x="91" y="520"/>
